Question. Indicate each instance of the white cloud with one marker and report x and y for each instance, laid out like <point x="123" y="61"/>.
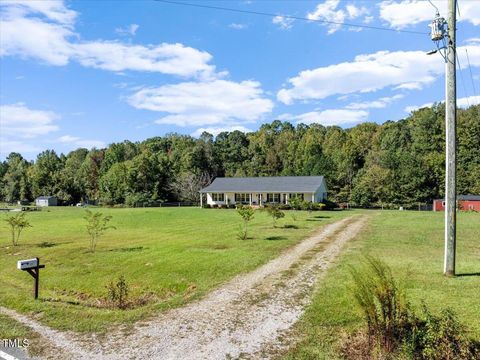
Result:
<point x="17" y="120"/>
<point x="84" y="143"/>
<point x="238" y="26"/>
<point x="414" y="85"/>
<point x="469" y="100"/>
<point x="175" y="59"/>
<point x="34" y="30"/>
<point x="329" y="11"/>
<point x="129" y="30"/>
<point x="67" y="139"/>
<point x="33" y="38"/>
<point x="376" y="104"/>
<point x="461" y="102"/>
<point x="371" y="72"/>
<point x="9" y="146"/>
<point x="368" y="19"/>
<point x="400" y="14"/>
<point x="283" y="22"/>
<point x="217" y="130"/>
<point x="329" y="117"/>
<point x="205" y="103"/>
<point x="53" y="10"/>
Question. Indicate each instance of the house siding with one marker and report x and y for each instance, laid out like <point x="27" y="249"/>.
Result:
<point x="466" y="205"/>
<point x="229" y="197"/>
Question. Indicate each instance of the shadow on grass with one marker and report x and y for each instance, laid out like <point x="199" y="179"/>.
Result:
<point x="129" y="249"/>
<point x="46" y="244"/>
<point x="469" y="274"/>
<point x="290" y="226"/>
<point x="276" y="238"/>
<point x="322" y="217"/>
<point x="314" y="219"/>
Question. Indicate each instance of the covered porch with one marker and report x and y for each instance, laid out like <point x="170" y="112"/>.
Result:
<point x="254" y="198"/>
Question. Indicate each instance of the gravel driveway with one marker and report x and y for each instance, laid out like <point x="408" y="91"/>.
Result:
<point x="245" y="318"/>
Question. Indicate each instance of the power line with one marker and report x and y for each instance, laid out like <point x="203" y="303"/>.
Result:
<point x="289" y="17"/>
<point x="471" y="75"/>
<point x="431" y="3"/>
<point x="463" y="81"/>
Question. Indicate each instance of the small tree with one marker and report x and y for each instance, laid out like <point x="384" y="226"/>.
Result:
<point x="275" y="213"/>
<point x="97" y="224"/>
<point x="307" y="206"/>
<point x="296" y="204"/>
<point x="246" y="212"/>
<point x="118" y="292"/>
<point x="17" y="223"/>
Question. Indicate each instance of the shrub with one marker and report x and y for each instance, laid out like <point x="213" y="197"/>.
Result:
<point x="383" y="305"/>
<point x="330" y="205"/>
<point x="295" y="203"/>
<point x="206" y="206"/>
<point x="319" y="206"/>
<point x="284" y="207"/>
<point x="136" y="199"/>
<point x="232" y="206"/>
<point x="307" y="206"/>
<point x="441" y="337"/>
<point x="118" y="293"/>
<point x="214" y="206"/>
<point x="393" y="328"/>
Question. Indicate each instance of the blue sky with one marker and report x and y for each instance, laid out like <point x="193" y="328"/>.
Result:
<point x="88" y="73"/>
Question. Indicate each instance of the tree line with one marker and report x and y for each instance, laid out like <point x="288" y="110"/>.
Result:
<point x="398" y="163"/>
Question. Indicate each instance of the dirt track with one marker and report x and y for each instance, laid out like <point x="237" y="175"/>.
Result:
<point x="244" y="318"/>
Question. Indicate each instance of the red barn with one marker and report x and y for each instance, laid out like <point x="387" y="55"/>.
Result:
<point x="464" y="202"/>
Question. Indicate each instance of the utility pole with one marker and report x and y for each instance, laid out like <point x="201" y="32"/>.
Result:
<point x="451" y="137"/>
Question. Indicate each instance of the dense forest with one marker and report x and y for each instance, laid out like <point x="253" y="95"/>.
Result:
<point x="395" y="163"/>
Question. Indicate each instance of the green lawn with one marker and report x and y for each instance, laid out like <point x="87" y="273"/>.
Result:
<point x="412" y="244"/>
<point x="174" y="254"/>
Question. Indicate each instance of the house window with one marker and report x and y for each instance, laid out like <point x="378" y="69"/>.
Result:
<point x="298" y="196"/>
<point x="273" y="198"/>
<point x="242" y="198"/>
<point x="218" y="197"/>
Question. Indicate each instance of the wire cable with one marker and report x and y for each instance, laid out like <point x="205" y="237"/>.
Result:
<point x="471" y="75"/>
<point x="436" y="8"/>
<point x="463" y="81"/>
<point x="212" y="7"/>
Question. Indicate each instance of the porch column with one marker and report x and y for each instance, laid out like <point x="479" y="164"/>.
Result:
<point x="201" y="199"/>
<point x="313" y="197"/>
<point x="226" y="198"/>
<point x="250" y="198"/>
<point x="287" y="198"/>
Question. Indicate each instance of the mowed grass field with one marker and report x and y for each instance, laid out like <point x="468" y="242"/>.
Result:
<point x="170" y="255"/>
<point x="412" y="244"/>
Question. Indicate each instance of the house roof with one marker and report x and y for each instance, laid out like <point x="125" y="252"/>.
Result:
<point x="265" y="184"/>
<point x="465" y="198"/>
<point x="45" y="197"/>
<point x="469" y="197"/>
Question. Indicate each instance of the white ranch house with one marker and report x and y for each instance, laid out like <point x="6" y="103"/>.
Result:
<point x="258" y="191"/>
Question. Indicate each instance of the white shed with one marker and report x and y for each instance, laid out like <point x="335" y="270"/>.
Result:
<point x="46" y="201"/>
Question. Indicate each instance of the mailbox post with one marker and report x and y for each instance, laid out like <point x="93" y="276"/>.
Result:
<point x="32" y="266"/>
